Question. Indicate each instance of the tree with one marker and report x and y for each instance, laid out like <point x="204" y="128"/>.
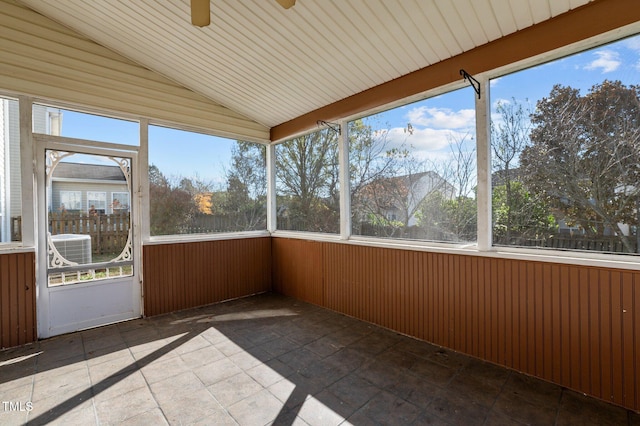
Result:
<point x="509" y="137"/>
<point x="307" y="182"/>
<point x="246" y="197"/>
<point x="371" y="157"/>
<point x="585" y="156"/>
<point x="171" y="206"/>
<point x="520" y="216"/>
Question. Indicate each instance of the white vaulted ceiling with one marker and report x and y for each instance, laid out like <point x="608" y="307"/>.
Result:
<point x="272" y="65"/>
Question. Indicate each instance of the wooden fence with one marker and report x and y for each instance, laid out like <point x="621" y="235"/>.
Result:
<point x="109" y="232"/>
<point x="206" y="223"/>
<point x="607" y="244"/>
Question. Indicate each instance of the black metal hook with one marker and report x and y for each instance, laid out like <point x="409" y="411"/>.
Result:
<point x="333" y="126"/>
<point x="474" y="83"/>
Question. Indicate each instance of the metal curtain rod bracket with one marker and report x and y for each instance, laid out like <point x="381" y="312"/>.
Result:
<point x="475" y="83"/>
<point x="333" y="126"/>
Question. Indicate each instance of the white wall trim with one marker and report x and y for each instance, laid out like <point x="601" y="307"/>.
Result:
<point x="272" y="212"/>
<point x="345" y="181"/>
<point x="483" y="168"/>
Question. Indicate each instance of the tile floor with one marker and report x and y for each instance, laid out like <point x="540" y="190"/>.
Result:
<point x="269" y="359"/>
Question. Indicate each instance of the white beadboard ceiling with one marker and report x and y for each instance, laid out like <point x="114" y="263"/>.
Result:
<point x="272" y="65"/>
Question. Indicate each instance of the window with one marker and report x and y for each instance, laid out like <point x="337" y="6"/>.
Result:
<point x="413" y="171"/>
<point x="97" y="202"/>
<point x="10" y="174"/>
<point x="120" y="202"/>
<point x="200" y="184"/>
<point x="70" y="201"/>
<point x="566" y="152"/>
<point x="74" y="124"/>
<point x="308" y="197"/>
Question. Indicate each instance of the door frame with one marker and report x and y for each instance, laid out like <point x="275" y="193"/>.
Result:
<point x="123" y="286"/>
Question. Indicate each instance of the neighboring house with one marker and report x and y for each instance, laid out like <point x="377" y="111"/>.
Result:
<point x="399" y="198"/>
<point x="46" y="120"/>
<point x="88" y="188"/>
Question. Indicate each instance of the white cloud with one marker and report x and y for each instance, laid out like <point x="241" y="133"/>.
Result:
<point x="426" y="142"/>
<point x="632" y="43"/>
<point x="607" y="61"/>
<point x="441" y="118"/>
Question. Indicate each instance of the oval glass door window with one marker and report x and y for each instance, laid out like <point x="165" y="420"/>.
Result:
<point x="89" y="235"/>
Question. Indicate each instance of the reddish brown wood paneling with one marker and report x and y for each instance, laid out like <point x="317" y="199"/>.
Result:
<point x="575" y="326"/>
<point x="299" y="261"/>
<point x="185" y="275"/>
<point x="17" y="299"/>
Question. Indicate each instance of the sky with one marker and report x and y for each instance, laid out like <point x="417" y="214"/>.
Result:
<point x="433" y="120"/>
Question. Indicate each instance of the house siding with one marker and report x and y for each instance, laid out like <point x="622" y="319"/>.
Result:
<point x="84" y="187"/>
<point x="42" y="58"/>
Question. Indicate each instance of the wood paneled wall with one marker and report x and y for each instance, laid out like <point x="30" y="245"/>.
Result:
<point x="185" y="275"/>
<point x="575" y="326"/>
<point x="17" y="299"/>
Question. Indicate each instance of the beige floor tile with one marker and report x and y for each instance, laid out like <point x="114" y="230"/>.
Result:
<point x="201" y="357"/>
<point x="163" y="368"/>
<point x="189" y="407"/>
<point x="114" y="386"/>
<point x="168" y="390"/>
<point x="216" y="371"/>
<point x="258" y="409"/>
<point x="84" y="414"/>
<point x="71" y="380"/>
<point x="235" y="388"/>
<point x="153" y="417"/>
<point x="125" y="406"/>
<point x="13" y="417"/>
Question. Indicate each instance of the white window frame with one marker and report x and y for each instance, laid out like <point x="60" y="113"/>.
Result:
<point x="484" y="246"/>
<point x="119" y="195"/>
<point x="272" y="186"/>
<point x="149" y="239"/>
<point x="66" y="205"/>
<point x="91" y="200"/>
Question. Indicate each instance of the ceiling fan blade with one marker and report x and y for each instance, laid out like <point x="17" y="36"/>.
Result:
<point x="200" y="13"/>
<point x="286" y="3"/>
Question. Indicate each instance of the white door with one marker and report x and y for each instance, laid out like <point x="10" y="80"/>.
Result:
<point x="88" y="252"/>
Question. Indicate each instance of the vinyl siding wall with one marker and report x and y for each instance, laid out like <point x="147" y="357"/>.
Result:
<point x="40" y="57"/>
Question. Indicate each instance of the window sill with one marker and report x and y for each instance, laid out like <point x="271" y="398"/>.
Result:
<point x="9" y="248"/>
<point x="191" y="238"/>
<point x="629" y="262"/>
